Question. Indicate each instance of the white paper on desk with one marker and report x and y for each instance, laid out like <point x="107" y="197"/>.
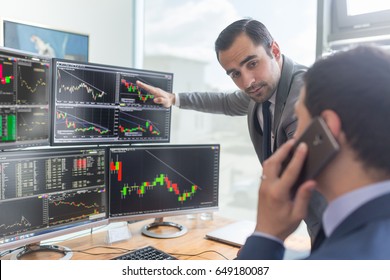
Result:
<point x="234" y="234"/>
<point x="118" y="234"/>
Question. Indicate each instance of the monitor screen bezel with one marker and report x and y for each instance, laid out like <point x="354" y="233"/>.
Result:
<point x="162" y="214"/>
<point x="55" y="36"/>
<point x="95" y="140"/>
<point x="38" y="58"/>
<point x="55" y="231"/>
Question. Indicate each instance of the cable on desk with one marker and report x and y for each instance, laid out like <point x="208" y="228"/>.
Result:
<point x="124" y="250"/>
<point x="121" y="250"/>
<point x="4" y="253"/>
<point x="204" y="252"/>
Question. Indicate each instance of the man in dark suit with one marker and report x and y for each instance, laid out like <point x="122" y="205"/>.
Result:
<point x="254" y="61"/>
<point x="350" y="91"/>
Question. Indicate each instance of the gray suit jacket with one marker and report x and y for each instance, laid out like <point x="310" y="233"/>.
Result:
<point x="363" y="235"/>
<point x="239" y="104"/>
<point x="284" y="123"/>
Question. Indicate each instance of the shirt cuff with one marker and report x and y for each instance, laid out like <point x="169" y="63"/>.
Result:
<point x="177" y="100"/>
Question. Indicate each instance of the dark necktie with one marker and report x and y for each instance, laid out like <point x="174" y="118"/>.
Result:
<point x="320" y="237"/>
<point x="266" y="130"/>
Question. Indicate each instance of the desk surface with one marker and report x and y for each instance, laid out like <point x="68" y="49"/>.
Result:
<point x="192" y="243"/>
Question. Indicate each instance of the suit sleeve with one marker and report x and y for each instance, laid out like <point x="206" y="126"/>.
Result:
<point x="231" y="104"/>
<point x="261" y="248"/>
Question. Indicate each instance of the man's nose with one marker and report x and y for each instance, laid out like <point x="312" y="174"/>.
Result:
<point x="247" y="80"/>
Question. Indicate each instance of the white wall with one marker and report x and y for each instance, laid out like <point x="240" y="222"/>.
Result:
<point x="108" y="23"/>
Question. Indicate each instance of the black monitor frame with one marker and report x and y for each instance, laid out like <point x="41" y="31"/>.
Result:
<point x="162" y="180"/>
<point x="26" y="104"/>
<point x="90" y="105"/>
<point x="41" y="193"/>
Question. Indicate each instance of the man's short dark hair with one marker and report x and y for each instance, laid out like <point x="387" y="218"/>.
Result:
<point x="254" y="29"/>
<point x="356" y="85"/>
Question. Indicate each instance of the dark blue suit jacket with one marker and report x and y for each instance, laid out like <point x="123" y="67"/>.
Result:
<point x="363" y="235"/>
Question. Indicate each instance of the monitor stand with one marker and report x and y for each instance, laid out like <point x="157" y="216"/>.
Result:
<point x="159" y="222"/>
<point x="36" y="247"/>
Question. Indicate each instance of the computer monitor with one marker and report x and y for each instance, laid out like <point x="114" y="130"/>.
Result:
<point x="50" y="192"/>
<point x="101" y="104"/>
<point x="159" y="181"/>
<point x="25" y="85"/>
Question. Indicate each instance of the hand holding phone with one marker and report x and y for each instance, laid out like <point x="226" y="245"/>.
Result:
<point x="322" y="147"/>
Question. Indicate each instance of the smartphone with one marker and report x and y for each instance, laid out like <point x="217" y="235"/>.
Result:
<point x="322" y="147"/>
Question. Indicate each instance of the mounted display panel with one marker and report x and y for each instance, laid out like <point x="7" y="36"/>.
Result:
<point x="44" y="40"/>
<point x="25" y="84"/>
<point x="45" y="193"/>
<point x="101" y="104"/>
<point x="159" y="181"/>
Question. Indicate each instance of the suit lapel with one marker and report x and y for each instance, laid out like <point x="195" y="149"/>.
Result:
<point x="255" y="130"/>
<point x="282" y="91"/>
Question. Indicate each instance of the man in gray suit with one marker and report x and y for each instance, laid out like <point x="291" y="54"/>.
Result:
<point x="253" y="59"/>
<point x="350" y="91"/>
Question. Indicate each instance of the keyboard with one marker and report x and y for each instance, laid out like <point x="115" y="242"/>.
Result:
<point x="146" y="253"/>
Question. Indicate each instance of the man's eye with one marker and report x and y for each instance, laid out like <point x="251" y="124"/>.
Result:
<point x="234" y="75"/>
<point x="252" y="64"/>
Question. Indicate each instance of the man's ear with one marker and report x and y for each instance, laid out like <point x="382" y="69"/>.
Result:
<point x="275" y="50"/>
<point x="333" y="121"/>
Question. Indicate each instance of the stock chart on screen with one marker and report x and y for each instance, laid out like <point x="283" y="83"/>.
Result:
<point x="96" y="103"/>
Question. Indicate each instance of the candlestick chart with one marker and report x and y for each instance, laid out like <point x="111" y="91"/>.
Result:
<point x="4" y="69"/>
<point x="79" y="121"/>
<point x="144" y="180"/>
<point x="7" y="89"/>
<point x="24" y="98"/>
<point x="56" y="189"/>
<point x="107" y="105"/>
<point x="135" y="123"/>
<point x="130" y="93"/>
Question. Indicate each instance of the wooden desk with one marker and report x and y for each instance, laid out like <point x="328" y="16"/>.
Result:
<point x="192" y="243"/>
